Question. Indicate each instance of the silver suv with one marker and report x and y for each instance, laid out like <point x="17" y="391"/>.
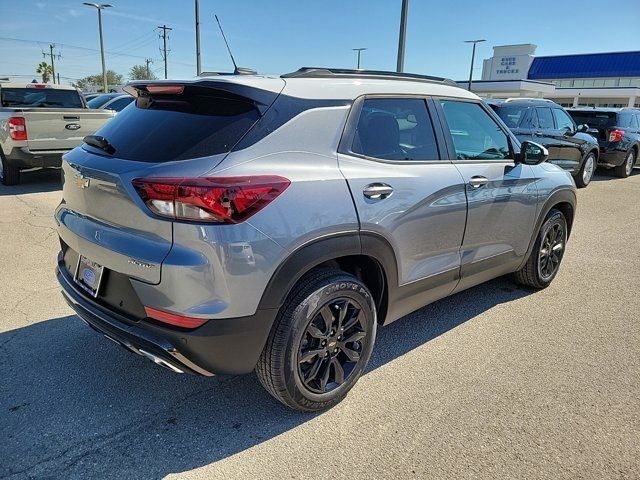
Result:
<point x="240" y="222"/>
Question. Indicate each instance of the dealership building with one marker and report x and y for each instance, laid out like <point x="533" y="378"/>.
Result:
<point x="591" y="79"/>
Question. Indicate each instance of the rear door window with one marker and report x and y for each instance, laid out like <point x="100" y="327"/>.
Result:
<point x="545" y="118"/>
<point x="40" y="97"/>
<point x="395" y="129"/>
<point x="163" y="127"/>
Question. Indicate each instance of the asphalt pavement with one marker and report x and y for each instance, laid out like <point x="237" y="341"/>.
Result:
<point x="495" y="382"/>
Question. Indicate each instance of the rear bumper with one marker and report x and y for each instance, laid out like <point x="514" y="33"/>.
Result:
<point x="611" y="157"/>
<point x="22" y="157"/>
<point x="227" y="346"/>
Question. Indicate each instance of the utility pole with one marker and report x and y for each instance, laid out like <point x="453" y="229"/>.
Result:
<point x="198" y="65"/>
<point x="359" y="50"/>
<point x="148" y="61"/>
<point x="403" y="35"/>
<point x="100" y="7"/>
<point x="51" y="55"/>
<point x="164" y="36"/>
<point x="473" y="57"/>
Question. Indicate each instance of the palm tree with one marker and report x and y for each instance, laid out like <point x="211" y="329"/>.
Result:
<point x="45" y="70"/>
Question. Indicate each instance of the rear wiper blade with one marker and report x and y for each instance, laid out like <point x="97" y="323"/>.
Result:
<point x="99" y="142"/>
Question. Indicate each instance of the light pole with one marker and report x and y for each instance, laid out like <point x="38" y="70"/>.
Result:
<point x="473" y="57"/>
<point x="100" y="7"/>
<point x="198" y="65"/>
<point x="403" y="35"/>
<point x="359" y="50"/>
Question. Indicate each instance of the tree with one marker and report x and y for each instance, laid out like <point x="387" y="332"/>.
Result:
<point x="45" y="70"/>
<point x="140" y="72"/>
<point x="91" y="81"/>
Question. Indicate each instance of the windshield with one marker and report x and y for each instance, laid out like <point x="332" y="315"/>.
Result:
<point x="196" y="123"/>
<point x="510" y="114"/>
<point x="40" y="97"/>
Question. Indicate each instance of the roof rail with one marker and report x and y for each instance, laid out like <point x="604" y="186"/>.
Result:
<point x="514" y="99"/>
<point x="321" y="72"/>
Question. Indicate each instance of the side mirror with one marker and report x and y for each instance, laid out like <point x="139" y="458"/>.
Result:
<point x="583" y="128"/>
<point x="533" y="153"/>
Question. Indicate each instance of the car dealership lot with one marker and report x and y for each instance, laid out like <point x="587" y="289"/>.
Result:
<point x="496" y="381"/>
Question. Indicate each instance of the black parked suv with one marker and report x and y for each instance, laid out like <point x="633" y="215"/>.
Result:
<point x="618" y="133"/>
<point x="547" y="123"/>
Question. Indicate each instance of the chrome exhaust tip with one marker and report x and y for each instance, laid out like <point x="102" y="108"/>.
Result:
<point x="159" y="361"/>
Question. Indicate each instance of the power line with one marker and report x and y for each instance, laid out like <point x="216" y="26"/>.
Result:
<point x="71" y="46"/>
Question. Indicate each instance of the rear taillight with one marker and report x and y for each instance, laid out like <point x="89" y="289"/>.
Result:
<point x="616" y="135"/>
<point x="213" y="199"/>
<point x="173" y="318"/>
<point x="17" y="128"/>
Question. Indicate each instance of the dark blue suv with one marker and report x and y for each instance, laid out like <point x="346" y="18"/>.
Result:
<point x="545" y="122"/>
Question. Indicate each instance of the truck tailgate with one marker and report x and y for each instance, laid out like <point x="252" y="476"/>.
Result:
<point x="61" y="128"/>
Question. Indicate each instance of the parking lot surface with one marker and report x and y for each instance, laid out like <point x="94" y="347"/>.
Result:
<point x="495" y="382"/>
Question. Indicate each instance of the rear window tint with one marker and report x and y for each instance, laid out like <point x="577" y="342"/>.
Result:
<point x="595" y="119"/>
<point x="40" y="97"/>
<point x="197" y="123"/>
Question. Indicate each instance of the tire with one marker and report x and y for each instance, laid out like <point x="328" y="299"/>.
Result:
<point x="10" y="174"/>
<point x="295" y="361"/>
<point x="624" y="170"/>
<point x="585" y="174"/>
<point x="543" y="263"/>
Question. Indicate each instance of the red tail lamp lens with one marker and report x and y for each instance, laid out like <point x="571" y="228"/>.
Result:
<point x="214" y="199"/>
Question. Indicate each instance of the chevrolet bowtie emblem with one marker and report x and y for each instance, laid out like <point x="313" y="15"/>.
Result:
<point x="81" y="180"/>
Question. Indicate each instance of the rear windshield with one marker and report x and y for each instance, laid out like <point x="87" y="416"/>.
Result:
<point x="595" y="119"/>
<point x="40" y="97"/>
<point x="510" y="114"/>
<point x="165" y="127"/>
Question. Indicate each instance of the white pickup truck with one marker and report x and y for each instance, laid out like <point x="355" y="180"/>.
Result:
<point x="41" y="122"/>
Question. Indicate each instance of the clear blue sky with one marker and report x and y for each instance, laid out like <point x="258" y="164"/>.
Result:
<point x="278" y="36"/>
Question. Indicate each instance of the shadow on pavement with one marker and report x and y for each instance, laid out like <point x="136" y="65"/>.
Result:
<point x="34" y="181"/>
<point x="74" y="405"/>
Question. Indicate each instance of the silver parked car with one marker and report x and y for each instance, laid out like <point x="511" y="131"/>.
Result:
<point x="240" y="222"/>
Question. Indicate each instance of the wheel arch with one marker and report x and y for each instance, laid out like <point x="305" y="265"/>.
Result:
<point x="564" y="200"/>
<point x="374" y="265"/>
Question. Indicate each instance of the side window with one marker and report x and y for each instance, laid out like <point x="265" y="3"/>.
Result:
<point x="563" y="120"/>
<point x="476" y="136"/>
<point x="637" y="121"/>
<point x="545" y="118"/>
<point x="395" y="129"/>
<point x="120" y="104"/>
<point x="529" y="120"/>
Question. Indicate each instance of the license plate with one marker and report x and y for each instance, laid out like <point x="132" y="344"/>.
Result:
<point x="88" y="275"/>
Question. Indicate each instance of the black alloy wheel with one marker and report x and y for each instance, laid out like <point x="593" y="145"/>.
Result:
<point x="331" y="347"/>
<point x="543" y="263"/>
<point x="551" y="250"/>
<point x="320" y="342"/>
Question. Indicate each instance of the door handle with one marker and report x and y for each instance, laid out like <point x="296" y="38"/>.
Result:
<point x="377" y="191"/>
<point x="478" y="181"/>
<point x="537" y="134"/>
